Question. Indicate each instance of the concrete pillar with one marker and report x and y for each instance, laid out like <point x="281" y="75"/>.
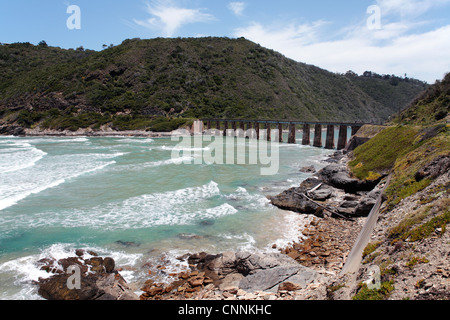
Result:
<point x="225" y="129"/>
<point x="242" y="127"/>
<point x="329" y="144"/>
<point x="355" y="130"/>
<point x="197" y="127"/>
<point x="249" y="133"/>
<point x="291" y="137"/>
<point x="318" y="136"/>
<point x="306" y="135"/>
<point x="256" y="125"/>
<point x="268" y="133"/>
<point x="280" y="132"/>
<point x="342" y="142"/>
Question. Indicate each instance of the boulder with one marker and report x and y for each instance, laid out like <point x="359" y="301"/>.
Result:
<point x="338" y="176"/>
<point x="310" y="169"/>
<point x="355" y="142"/>
<point x="98" y="279"/>
<point x="434" y="169"/>
<point x="364" y="207"/>
<point x="321" y="194"/>
<point x="292" y="201"/>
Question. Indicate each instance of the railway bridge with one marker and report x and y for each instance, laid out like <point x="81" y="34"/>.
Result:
<point x="222" y="126"/>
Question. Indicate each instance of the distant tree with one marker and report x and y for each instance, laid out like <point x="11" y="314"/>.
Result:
<point x="43" y="44"/>
<point x="80" y="48"/>
<point x="351" y="73"/>
<point x="105" y="46"/>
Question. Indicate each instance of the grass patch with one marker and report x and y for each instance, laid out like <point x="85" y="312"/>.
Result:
<point x="402" y="150"/>
<point x="398" y="232"/>
<point x="415" y="261"/>
<point x="371" y="247"/>
<point x="380" y="153"/>
<point x="425" y="230"/>
<point x="414" y="228"/>
<point x="383" y="293"/>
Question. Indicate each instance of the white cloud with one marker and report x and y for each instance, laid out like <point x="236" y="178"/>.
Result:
<point x="169" y="18"/>
<point x="400" y="46"/>
<point x="408" y="8"/>
<point x="237" y="7"/>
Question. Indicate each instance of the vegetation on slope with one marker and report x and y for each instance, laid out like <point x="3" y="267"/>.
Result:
<point x="416" y="151"/>
<point x="432" y="106"/>
<point x="142" y="80"/>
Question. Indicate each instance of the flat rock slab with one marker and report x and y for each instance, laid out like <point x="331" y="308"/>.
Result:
<point x="261" y="271"/>
<point x="270" y="279"/>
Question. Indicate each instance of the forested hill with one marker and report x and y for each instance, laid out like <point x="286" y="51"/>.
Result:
<point x="138" y="82"/>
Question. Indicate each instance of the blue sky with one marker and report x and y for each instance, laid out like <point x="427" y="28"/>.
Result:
<point x="400" y="37"/>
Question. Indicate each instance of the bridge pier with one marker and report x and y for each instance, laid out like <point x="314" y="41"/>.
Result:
<point x="291" y="137"/>
<point x="329" y="144"/>
<point x="268" y="133"/>
<point x="242" y="127"/>
<point x="280" y="132"/>
<point x="256" y="126"/>
<point x="318" y="136"/>
<point x="342" y="142"/>
<point x="252" y="129"/>
<point x="218" y="128"/>
<point x="306" y="135"/>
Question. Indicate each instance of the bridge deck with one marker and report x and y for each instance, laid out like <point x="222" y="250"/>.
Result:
<point x="296" y="122"/>
<point x="307" y="126"/>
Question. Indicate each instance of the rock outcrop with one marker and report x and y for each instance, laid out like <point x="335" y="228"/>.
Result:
<point x="12" y="130"/>
<point x="331" y="190"/>
<point x="232" y="272"/>
<point x="98" y="279"/>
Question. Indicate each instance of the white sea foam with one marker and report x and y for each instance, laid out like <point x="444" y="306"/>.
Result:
<point x="16" y="186"/>
<point x="289" y="227"/>
<point x="180" y="207"/>
<point x="245" y="241"/>
<point x="188" y="149"/>
<point x="176" y="161"/>
<point x="22" y="156"/>
<point x="247" y="200"/>
<point x="24" y="270"/>
<point x="135" y="140"/>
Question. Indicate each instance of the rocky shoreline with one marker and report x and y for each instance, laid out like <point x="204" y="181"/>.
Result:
<point x="310" y="268"/>
<point x="106" y="132"/>
<point x="298" y="272"/>
<point x="301" y="271"/>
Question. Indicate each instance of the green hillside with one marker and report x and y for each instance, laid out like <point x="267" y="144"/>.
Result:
<point x="431" y="107"/>
<point x="142" y="83"/>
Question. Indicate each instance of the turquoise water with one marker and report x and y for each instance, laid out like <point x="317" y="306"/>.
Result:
<point x="129" y="199"/>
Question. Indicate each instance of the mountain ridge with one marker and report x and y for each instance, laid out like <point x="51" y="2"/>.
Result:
<point x="140" y="81"/>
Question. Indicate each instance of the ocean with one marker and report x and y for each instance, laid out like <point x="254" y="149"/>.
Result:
<point x="130" y="199"/>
